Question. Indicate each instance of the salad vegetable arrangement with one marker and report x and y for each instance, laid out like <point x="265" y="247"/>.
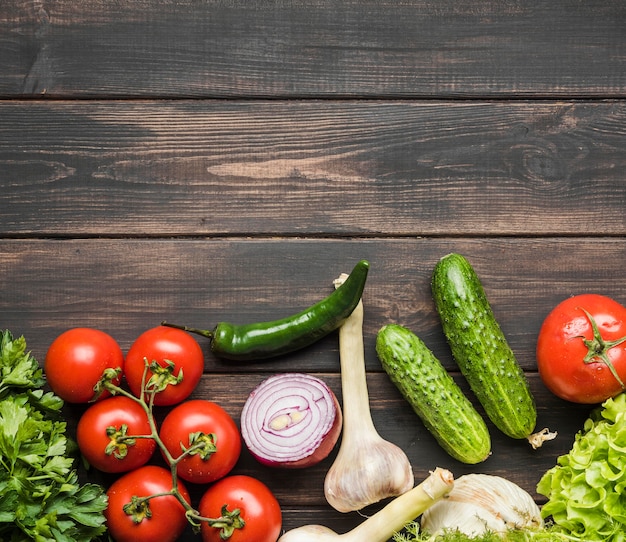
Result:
<point x="199" y="443"/>
<point x="585" y="490"/>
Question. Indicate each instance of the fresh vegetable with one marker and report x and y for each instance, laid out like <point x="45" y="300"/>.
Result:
<point x="41" y="497"/>
<point x="434" y="395"/>
<point x="412" y="533"/>
<point x="114" y="435"/>
<point x="482" y="351"/>
<point x="208" y="437"/>
<point x="585" y="489"/>
<point x="381" y="526"/>
<point x="481" y="503"/>
<point x="76" y="360"/>
<point x="291" y="420"/>
<point x="189" y="451"/>
<point x="269" y="339"/>
<point x="581" y="349"/>
<point x="252" y="504"/>
<point x="142" y="508"/>
<point x="367" y="468"/>
<point x="176" y="364"/>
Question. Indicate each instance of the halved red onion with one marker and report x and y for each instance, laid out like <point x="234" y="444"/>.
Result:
<point x="291" y="420"/>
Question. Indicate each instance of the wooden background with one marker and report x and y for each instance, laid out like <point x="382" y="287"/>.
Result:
<point x="200" y="161"/>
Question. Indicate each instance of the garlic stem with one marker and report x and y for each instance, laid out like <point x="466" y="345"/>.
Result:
<point x="367" y="468"/>
<point x="381" y="526"/>
<point x="353" y="377"/>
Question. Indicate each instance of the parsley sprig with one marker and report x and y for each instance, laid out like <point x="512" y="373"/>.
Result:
<point x="41" y="497"/>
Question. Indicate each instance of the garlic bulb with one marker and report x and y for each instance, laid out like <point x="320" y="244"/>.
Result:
<point x="480" y="503"/>
<point x="391" y="518"/>
<point x="367" y="468"/>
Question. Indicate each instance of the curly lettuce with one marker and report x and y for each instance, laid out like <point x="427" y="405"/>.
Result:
<point x="586" y="488"/>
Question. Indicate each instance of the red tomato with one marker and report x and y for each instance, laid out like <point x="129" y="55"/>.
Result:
<point x="126" y="417"/>
<point x="575" y="362"/>
<point x="166" y="520"/>
<point x="210" y="419"/>
<point x="163" y="344"/>
<point x="258" y="507"/>
<point x="76" y="360"/>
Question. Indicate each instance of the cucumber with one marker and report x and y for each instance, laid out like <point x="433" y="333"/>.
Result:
<point x="480" y="348"/>
<point x="435" y="397"/>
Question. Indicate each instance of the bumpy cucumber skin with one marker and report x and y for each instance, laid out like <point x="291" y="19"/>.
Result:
<point x="435" y="397"/>
<point x="480" y="348"/>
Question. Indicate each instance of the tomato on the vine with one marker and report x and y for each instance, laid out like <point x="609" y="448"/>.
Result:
<point x="257" y="506"/>
<point x="179" y="359"/>
<point x="103" y="433"/>
<point x="160" y="519"/>
<point x="76" y="360"/>
<point x="581" y="349"/>
<point x="209" y="433"/>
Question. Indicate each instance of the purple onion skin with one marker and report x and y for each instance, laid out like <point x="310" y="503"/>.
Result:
<point x="278" y="389"/>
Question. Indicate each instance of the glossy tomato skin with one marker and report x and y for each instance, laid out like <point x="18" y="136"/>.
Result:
<point x="259" y="509"/>
<point x="210" y="418"/>
<point x="92" y="438"/>
<point x="561" y="350"/>
<point x="159" y="344"/>
<point x="168" y="520"/>
<point x="76" y="360"/>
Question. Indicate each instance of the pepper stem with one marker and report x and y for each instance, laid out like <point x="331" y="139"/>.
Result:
<point x="598" y="348"/>
<point x="204" y="332"/>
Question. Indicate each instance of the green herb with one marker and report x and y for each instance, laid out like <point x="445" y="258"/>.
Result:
<point x="40" y="495"/>
<point x="586" y="489"/>
<point x="412" y="533"/>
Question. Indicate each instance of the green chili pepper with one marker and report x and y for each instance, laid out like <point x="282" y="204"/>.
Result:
<point x="269" y="339"/>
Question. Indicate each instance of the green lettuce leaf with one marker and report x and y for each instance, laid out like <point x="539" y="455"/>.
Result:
<point x="585" y="489"/>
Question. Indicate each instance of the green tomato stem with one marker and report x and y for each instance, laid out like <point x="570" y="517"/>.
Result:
<point x="597" y="348"/>
<point x="202" y="444"/>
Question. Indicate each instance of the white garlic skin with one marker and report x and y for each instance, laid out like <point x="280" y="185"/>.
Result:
<point x="480" y="503"/>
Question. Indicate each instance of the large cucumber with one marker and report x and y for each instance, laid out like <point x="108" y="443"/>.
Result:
<point x="433" y="394"/>
<point x="481" y="349"/>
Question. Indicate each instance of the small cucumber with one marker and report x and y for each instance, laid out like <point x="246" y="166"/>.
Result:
<point x="433" y="394"/>
<point x="480" y="348"/>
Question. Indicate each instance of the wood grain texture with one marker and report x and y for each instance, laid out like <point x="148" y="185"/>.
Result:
<point x="258" y="48"/>
<point x="214" y="168"/>
<point x="127" y="286"/>
<point x="225" y="160"/>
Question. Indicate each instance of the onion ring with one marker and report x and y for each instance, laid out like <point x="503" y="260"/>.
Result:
<point x="291" y="420"/>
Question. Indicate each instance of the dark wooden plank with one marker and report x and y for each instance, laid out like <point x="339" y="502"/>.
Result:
<point x="314" y="48"/>
<point x="127" y="286"/>
<point x="312" y="168"/>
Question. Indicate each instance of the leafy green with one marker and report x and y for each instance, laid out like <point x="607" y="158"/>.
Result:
<point x="586" y="488"/>
<point x="18" y="369"/>
<point x="41" y="497"/>
<point x="412" y="533"/>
